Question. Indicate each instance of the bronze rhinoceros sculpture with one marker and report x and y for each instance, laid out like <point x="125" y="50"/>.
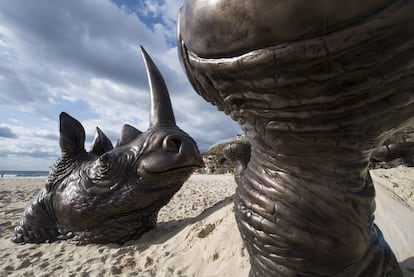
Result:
<point x="316" y="86"/>
<point x="112" y="194"/>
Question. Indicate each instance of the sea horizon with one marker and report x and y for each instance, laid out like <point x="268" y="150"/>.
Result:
<point x="24" y="173"/>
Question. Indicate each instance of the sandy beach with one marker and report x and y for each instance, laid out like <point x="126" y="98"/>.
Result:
<point x="196" y="233"/>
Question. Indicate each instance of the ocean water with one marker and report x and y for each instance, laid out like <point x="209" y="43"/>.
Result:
<point x="24" y="174"/>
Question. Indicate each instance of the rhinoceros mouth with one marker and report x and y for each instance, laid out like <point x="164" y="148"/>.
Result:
<point x="154" y="181"/>
<point x="181" y="168"/>
<point x="175" y="163"/>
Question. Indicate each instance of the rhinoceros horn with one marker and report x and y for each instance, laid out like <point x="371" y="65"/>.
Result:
<point x="161" y="109"/>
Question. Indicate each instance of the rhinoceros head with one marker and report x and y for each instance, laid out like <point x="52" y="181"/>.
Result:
<point x="112" y="194"/>
<point x="144" y="157"/>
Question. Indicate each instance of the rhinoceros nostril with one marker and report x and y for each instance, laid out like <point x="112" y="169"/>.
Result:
<point x="172" y="144"/>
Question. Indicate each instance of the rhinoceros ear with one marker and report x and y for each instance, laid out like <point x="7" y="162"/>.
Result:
<point x="101" y="143"/>
<point x="72" y="135"/>
<point x="128" y="134"/>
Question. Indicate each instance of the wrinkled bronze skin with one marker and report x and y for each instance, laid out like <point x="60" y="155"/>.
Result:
<point x="111" y="194"/>
<point x="402" y="150"/>
<point x="316" y="86"/>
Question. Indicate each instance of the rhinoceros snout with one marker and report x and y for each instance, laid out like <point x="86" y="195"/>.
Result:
<point x="185" y="148"/>
<point x="177" y="150"/>
<point x="172" y="143"/>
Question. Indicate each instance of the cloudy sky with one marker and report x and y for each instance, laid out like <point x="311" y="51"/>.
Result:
<point x="82" y="57"/>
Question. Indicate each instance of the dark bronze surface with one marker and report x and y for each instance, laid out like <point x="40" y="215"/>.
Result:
<point x="227" y="28"/>
<point x="316" y="86"/>
<point x="112" y="194"/>
<point x="402" y="150"/>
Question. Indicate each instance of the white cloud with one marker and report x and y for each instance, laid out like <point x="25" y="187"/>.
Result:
<point x="82" y="57"/>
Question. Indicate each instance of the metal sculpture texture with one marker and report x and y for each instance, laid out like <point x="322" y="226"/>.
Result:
<point x="316" y="86"/>
<point x="112" y="194"/>
<point x="401" y="150"/>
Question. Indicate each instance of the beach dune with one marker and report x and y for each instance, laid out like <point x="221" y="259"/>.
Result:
<point x="196" y="234"/>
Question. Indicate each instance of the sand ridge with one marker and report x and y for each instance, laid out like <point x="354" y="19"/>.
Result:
<point x="191" y="238"/>
<point x="196" y="234"/>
